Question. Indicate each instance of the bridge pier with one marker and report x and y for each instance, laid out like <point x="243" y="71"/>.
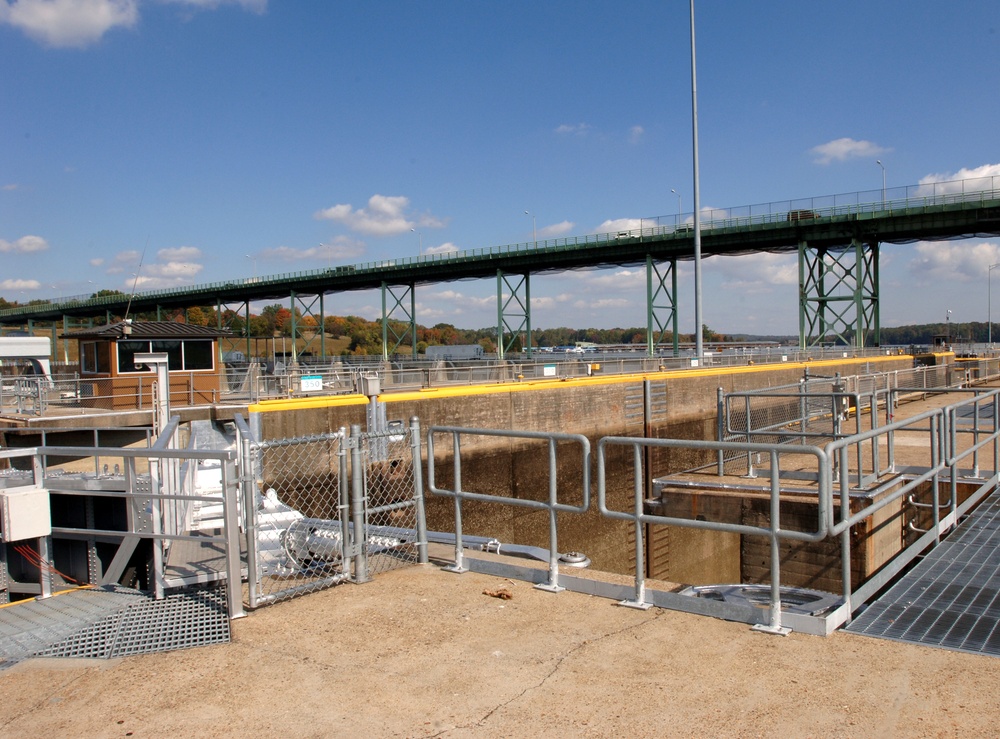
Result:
<point x="515" y="307"/>
<point x="303" y="306"/>
<point x="838" y="294"/>
<point x="403" y="299"/>
<point x="661" y="304"/>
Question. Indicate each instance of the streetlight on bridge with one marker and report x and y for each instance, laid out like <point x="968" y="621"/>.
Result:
<point x="678" y="204"/>
<point x="254" y="266"/>
<point x="534" y="234"/>
<point x="879" y="163"/>
<point x="420" y="241"/>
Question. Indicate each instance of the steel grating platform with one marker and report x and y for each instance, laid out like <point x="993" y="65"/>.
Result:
<point x="951" y="599"/>
<point x="112" y="621"/>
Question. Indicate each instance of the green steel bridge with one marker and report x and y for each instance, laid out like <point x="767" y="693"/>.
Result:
<point x="836" y="238"/>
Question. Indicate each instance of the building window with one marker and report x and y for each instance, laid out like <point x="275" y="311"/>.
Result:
<point x="95" y="357"/>
<point x="181" y="355"/>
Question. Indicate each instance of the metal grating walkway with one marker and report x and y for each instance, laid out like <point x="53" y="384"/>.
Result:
<point x="111" y="622"/>
<point x="952" y="598"/>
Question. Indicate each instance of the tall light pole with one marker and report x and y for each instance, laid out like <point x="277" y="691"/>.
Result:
<point x="254" y="266"/>
<point x="420" y="241"/>
<point x="989" y="302"/>
<point x="879" y="163"/>
<point x="698" y="345"/>
<point x="534" y="234"/>
<point x="947" y="329"/>
<point x="678" y="204"/>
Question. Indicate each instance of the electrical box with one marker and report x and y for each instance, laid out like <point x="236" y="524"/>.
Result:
<point x="24" y="514"/>
<point x="371" y="385"/>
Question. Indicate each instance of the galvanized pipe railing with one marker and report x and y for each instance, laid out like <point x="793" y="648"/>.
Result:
<point x="551" y="506"/>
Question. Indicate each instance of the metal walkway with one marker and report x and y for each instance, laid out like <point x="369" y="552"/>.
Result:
<point x="951" y="599"/>
<point x="111" y="621"/>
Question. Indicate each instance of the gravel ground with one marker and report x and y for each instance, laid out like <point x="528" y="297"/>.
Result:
<point x="422" y="652"/>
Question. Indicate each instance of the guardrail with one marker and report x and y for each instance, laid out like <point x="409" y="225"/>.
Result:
<point x="551" y="506"/>
<point x="954" y="435"/>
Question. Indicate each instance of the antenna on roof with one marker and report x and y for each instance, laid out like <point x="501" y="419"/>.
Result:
<point x="128" y="322"/>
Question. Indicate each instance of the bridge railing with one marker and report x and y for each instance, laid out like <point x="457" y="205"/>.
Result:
<point x="865" y="202"/>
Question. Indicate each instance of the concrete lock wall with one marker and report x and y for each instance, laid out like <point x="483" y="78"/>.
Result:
<point x="594" y="407"/>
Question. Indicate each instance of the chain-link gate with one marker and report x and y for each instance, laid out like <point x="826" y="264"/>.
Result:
<point x="330" y="508"/>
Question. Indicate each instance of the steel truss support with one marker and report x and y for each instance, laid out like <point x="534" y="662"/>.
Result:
<point x="661" y="304"/>
<point x="513" y="312"/>
<point x="307" y="306"/>
<point x="226" y="315"/>
<point x="838" y="295"/>
<point x="400" y="299"/>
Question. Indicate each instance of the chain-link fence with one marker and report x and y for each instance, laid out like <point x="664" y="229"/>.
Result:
<point x="330" y="508"/>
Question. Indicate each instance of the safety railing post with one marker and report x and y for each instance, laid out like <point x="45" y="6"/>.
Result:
<point x="418" y="491"/>
<point x="343" y="498"/>
<point x="640" y="546"/>
<point x="230" y="513"/>
<point x="459" y="565"/>
<point x="553" y="584"/>
<point x="249" y="479"/>
<point x="358" y="508"/>
<point x="720" y="406"/>
<point x="774" y="616"/>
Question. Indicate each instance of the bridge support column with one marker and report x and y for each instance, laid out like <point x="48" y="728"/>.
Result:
<point x="401" y="299"/>
<point x="661" y="304"/>
<point x="838" y="295"/>
<point x="225" y="315"/>
<point x="302" y="307"/>
<point x="513" y="312"/>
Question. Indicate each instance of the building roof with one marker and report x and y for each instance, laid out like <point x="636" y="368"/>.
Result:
<point x="147" y="330"/>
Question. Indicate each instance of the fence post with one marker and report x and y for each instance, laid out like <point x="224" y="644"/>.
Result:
<point x="357" y="508"/>
<point x="230" y="513"/>
<point x="249" y="479"/>
<point x="418" y="491"/>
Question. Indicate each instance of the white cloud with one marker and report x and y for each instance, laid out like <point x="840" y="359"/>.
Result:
<point x="578" y="129"/>
<point x="964" y="180"/>
<point x="24" y="245"/>
<point x="341" y="247"/>
<point x="124" y="261"/>
<point x="11" y="187"/>
<point x="178" y="253"/>
<point x="96" y="262"/>
<point x="385" y="216"/>
<point x="756" y="273"/>
<point x="617" y="225"/>
<point x="556" y="229"/>
<point x="20" y="284"/>
<point x="635" y="134"/>
<point x="81" y="23"/>
<point x="962" y="261"/>
<point x="602" y="304"/>
<point x="254" y="6"/>
<point x="845" y="148"/>
<point x="445" y="248"/>
<point x="68" y="23"/>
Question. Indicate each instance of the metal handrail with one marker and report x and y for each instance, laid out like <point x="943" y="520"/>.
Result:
<point x="552" y="506"/>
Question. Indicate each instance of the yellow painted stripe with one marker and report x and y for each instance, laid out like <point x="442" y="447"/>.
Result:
<point x="60" y="592"/>
<point x="459" y="391"/>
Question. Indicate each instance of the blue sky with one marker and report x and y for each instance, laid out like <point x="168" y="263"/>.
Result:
<point x="314" y="133"/>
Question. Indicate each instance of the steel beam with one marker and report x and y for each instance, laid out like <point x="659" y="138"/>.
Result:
<point x="311" y="306"/>
<point x="513" y="311"/>
<point x="661" y="304"/>
<point x="838" y="294"/>
<point x="398" y="299"/>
